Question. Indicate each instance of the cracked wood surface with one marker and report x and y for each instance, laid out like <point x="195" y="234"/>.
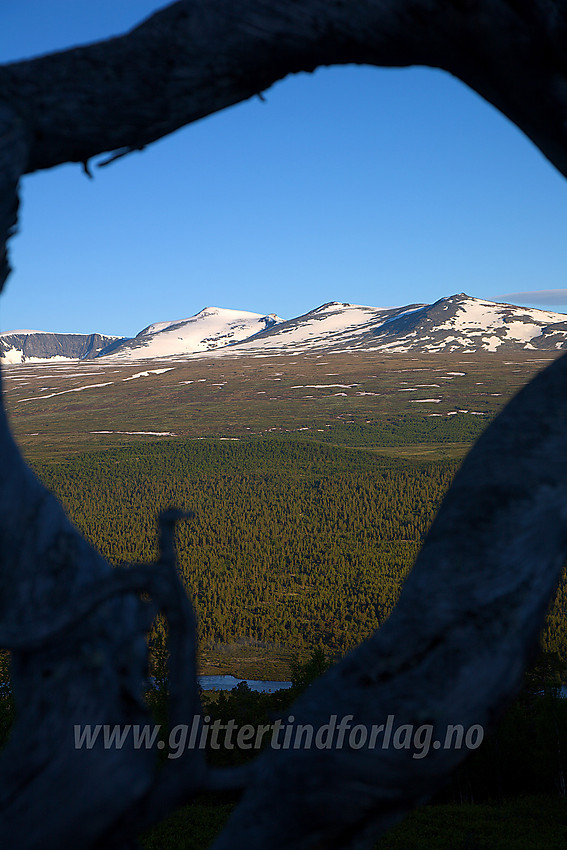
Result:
<point x="454" y="648"/>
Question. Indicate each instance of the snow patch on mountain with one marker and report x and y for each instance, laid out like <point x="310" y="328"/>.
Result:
<point x="148" y="373"/>
<point x="458" y="323"/>
<point x="211" y="328"/>
<point x="64" y="392"/>
<point x="463" y="323"/>
<point x="333" y="324"/>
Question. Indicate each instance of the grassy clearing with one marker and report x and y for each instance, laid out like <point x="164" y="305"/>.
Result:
<point x="248" y="659"/>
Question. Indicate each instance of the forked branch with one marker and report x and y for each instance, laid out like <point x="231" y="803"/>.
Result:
<point x="453" y="650"/>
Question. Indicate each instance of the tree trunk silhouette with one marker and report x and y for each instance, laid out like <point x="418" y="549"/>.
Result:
<point x="453" y="650"/>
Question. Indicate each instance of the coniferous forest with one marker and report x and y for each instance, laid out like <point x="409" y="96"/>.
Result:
<point x="293" y="543"/>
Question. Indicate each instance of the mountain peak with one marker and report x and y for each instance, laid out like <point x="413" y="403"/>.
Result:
<point x="209" y="329"/>
<point x="455" y="323"/>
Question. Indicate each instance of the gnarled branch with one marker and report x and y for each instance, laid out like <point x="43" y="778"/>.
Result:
<point x="476" y="598"/>
<point x="195" y="57"/>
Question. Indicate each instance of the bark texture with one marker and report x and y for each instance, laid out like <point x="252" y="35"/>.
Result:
<point x="454" y="648"/>
<point x="198" y="56"/>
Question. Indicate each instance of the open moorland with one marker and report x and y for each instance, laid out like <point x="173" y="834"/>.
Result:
<point x="359" y="399"/>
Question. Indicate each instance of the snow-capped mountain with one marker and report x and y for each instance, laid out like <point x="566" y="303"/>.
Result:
<point x="462" y="323"/>
<point x="38" y="346"/>
<point x="457" y="323"/>
<point x="333" y="325"/>
<point x="211" y="328"/>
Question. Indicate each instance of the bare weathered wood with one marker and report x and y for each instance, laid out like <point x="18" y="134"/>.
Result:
<point x="453" y="650"/>
<point x="14" y="153"/>
<point x="198" y="56"/>
<point x="88" y="672"/>
<point x="93" y="676"/>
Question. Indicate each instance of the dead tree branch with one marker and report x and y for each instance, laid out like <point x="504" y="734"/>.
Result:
<point x="453" y="650"/>
<point x="195" y="57"/>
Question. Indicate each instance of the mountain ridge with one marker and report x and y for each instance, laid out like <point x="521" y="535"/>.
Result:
<point x="39" y="346"/>
<point x="457" y="323"/>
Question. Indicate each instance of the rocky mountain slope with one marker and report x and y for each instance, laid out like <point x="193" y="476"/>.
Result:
<point x="39" y="346"/>
<point x="458" y="323"/>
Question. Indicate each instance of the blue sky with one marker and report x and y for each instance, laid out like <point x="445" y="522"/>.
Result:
<point x="372" y="186"/>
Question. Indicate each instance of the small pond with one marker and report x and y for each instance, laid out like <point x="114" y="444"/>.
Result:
<point x="227" y="683"/>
